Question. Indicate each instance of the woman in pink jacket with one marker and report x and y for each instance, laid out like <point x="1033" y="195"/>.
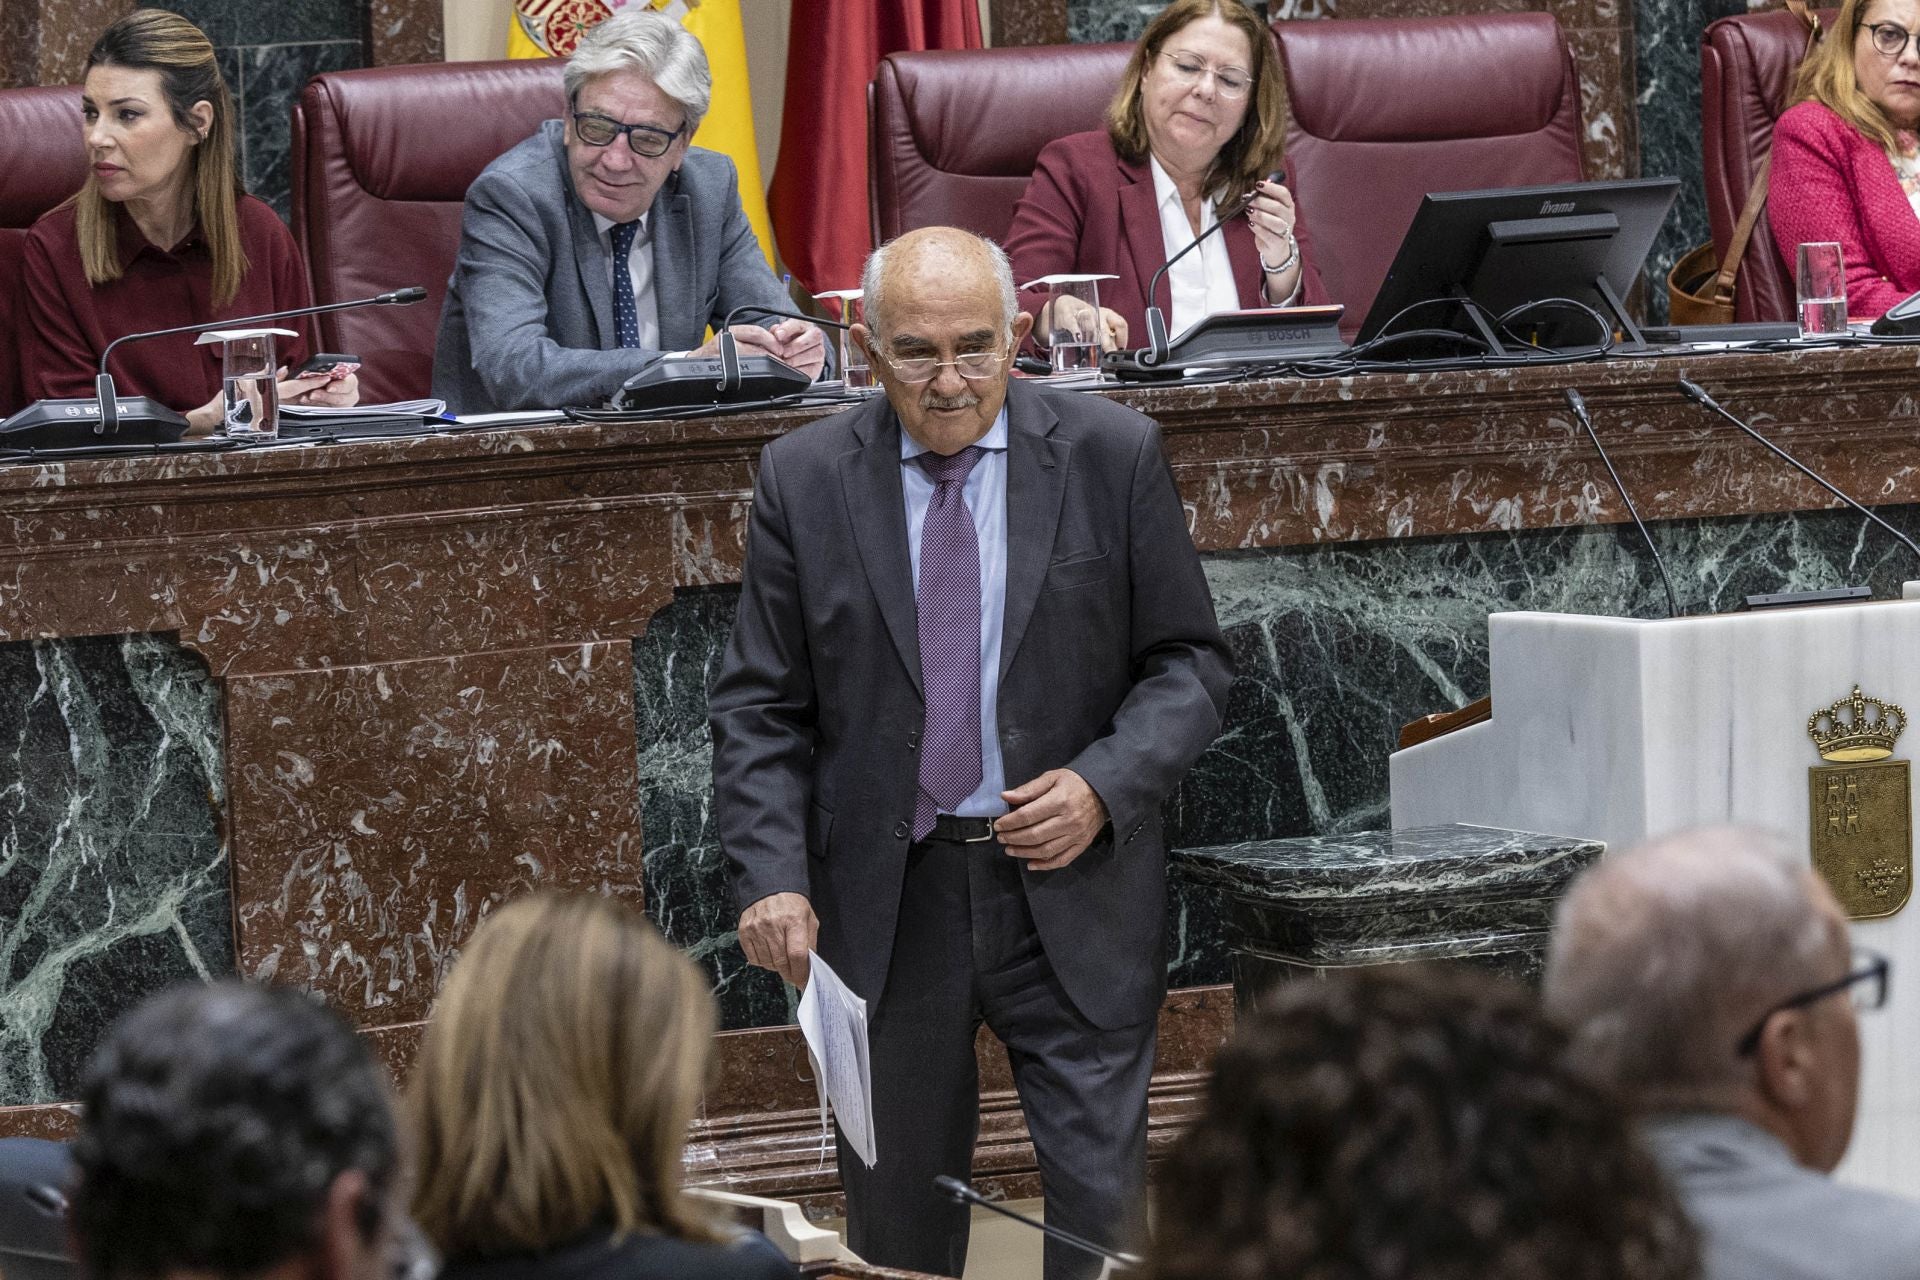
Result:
<point x="1846" y="157"/>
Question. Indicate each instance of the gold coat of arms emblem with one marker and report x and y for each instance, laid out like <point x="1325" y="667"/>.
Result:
<point x="1861" y="805"/>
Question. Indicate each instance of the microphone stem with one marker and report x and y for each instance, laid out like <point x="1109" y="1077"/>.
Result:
<point x="322" y="309"/>
<point x="1673" y="601"/>
<point x="1807" y="471"/>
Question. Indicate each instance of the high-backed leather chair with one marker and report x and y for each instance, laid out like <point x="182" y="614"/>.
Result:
<point x="382" y="160"/>
<point x="1385" y="110"/>
<point x="1746" y="69"/>
<point x="45" y="162"/>
<point x="952" y="136"/>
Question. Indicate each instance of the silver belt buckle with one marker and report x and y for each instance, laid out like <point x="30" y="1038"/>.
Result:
<point x="981" y="839"/>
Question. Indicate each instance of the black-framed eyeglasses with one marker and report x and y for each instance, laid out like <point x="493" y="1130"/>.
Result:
<point x="1890" y="38"/>
<point x="1866" y="981"/>
<point x="646" y="140"/>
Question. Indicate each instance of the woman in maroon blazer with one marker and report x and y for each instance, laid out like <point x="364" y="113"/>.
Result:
<point x="1195" y="127"/>
<point x="1846" y="155"/>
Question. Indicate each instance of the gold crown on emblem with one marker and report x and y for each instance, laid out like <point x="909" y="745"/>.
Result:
<point x="1856" y="728"/>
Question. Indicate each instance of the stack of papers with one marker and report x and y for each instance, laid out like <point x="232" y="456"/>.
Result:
<point x="397" y="409"/>
<point x="834" y="1022"/>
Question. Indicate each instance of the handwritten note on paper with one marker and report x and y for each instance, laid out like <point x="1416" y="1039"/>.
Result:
<point x="834" y="1022"/>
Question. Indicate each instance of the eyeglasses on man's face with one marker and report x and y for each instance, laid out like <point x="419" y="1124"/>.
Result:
<point x="646" y="140"/>
<point x="1889" y="38"/>
<point x="1865" y="981"/>
<point x="1187" y="71"/>
<point x="971" y="365"/>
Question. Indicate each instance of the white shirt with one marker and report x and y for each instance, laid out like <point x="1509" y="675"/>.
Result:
<point x="1202" y="282"/>
<point x="640" y="270"/>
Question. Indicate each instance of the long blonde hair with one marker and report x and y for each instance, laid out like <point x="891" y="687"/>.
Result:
<point x="1827" y="77"/>
<point x="155" y="40"/>
<point x="1250" y="154"/>
<point x="564" y="1061"/>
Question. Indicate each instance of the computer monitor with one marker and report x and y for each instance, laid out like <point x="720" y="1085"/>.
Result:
<point x="1582" y="240"/>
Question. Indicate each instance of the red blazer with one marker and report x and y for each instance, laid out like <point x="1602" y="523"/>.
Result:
<point x="1831" y="183"/>
<point x="1086" y="209"/>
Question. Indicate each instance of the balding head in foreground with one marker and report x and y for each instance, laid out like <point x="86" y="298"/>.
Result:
<point x="1708" y="977"/>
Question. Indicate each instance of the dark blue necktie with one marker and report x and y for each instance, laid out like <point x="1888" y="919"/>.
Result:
<point x="626" y="318"/>
<point x="949" y="605"/>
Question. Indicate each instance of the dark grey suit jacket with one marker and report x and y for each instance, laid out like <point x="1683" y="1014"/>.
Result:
<point x="1111" y="664"/>
<point x="1764" y="1217"/>
<point x="528" y="321"/>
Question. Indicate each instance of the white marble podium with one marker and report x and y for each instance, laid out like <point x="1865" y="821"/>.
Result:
<point x="1619" y="729"/>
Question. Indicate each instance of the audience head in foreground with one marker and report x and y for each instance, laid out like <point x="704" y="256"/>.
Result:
<point x="237" y="1131"/>
<point x="162" y="234"/>
<point x="565" y="1059"/>
<point x="1405" y="1122"/>
<point x="555" y="297"/>
<point x="1708" y="977"/>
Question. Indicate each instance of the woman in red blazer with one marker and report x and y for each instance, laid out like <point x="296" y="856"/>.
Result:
<point x="1846" y="160"/>
<point x="1195" y="127"/>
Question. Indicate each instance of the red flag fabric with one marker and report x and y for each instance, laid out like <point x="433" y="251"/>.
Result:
<point x="819" y="192"/>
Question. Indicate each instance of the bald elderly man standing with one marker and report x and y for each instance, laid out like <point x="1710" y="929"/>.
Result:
<point x="974" y="652"/>
<point x="1709" y="978"/>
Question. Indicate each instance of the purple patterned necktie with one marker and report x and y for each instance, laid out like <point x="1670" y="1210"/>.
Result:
<point x="949" y="603"/>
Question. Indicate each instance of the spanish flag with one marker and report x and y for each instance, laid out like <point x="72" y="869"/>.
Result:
<point x="551" y="28"/>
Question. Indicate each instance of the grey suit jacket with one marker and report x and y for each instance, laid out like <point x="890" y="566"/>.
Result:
<point x="1111" y="665"/>
<point x="528" y="321"/>
<point x="1762" y="1216"/>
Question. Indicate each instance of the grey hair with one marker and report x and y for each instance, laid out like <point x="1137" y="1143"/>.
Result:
<point x="1664" y="956"/>
<point x="639" y="39"/>
<point x="876" y="270"/>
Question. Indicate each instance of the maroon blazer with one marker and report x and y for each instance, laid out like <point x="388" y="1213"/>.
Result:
<point x="1086" y="209"/>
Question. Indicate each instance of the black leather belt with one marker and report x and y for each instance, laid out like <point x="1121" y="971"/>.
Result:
<point x="952" y="830"/>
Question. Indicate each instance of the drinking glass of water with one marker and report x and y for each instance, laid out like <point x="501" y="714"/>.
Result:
<point x="1821" y="283"/>
<point x="1074" y="326"/>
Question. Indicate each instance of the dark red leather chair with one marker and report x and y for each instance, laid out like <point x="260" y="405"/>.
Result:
<point x="382" y="160"/>
<point x="1746" y="69"/>
<point x="952" y="136"/>
<point x="46" y="162"/>
<point x="1385" y="110"/>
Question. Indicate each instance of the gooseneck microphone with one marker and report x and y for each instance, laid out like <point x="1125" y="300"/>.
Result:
<point x="1578" y="403"/>
<point x="1158" y="341"/>
<point x="103" y="381"/>
<point x="748" y="308"/>
<point x="1696" y="393"/>
<point x="957" y="1190"/>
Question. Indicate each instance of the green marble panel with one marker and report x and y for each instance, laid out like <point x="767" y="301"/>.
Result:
<point x="113" y="874"/>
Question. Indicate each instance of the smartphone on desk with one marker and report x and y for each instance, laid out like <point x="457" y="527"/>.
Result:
<point x="333" y="365"/>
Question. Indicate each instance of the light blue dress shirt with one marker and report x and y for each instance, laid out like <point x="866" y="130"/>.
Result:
<point x="986" y="494"/>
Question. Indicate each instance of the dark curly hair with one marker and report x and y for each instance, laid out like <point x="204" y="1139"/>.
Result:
<point x="215" y="1120"/>
<point x="1409" y="1121"/>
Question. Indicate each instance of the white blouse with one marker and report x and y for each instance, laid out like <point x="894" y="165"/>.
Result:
<point x="1202" y="282"/>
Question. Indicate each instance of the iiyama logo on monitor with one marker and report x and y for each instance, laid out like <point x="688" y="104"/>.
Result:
<point x="1548" y="207"/>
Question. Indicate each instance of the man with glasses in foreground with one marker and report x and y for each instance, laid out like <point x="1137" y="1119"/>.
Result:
<point x="1708" y="977"/>
<point x="606" y="240"/>
<point x="974" y="651"/>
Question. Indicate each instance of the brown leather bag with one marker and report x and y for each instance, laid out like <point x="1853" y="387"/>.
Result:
<point x="1699" y="289"/>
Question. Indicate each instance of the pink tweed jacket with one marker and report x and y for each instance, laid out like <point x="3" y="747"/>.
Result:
<point x="1830" y="183"/>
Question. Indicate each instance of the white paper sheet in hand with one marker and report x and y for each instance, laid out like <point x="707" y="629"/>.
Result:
<point x="834" y="1022"/>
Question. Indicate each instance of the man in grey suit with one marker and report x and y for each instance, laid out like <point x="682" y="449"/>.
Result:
<point x="974" y="651"/>
<point x="1708" y="977"/>
<point x="606" y="240"/>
